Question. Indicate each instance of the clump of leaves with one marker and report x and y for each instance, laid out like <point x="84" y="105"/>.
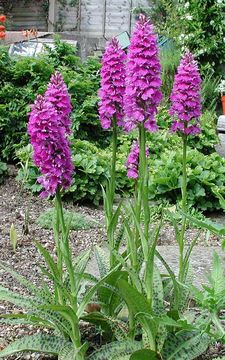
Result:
<point x="77" y="221"/>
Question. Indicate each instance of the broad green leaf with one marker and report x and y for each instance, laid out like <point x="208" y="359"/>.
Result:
<point x="42" y="343"/>
<point x="116" y="350"/>
<point x="144" y="354"/>
<point x="135" y="301"/>
<point x="88" y="296"/>
<point x="220" y="197"/>
<point x="24" y="319"/>
<point x="102" y="260"/>
<point x="67" y="353"/>
<point x="16" y="299"/>
<point x="109" y="295"/>
<point x="158" y="293"/>
<point x="71" y="353"/>
<point x="26" y="283"/>
<point x="185" y="346"/>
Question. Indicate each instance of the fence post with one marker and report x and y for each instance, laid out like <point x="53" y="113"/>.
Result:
<point x="52" y="15"/>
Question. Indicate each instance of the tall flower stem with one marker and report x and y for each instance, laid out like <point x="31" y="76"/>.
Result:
<point x="184" y="206"/>
<point x="112" y="188"/>
<point x="143" y="188"/>
<point x="65" y="255"/>
<point x="113" y="165"/>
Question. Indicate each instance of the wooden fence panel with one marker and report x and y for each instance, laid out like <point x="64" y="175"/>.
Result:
<point x="118" y="17"/>
<point x="27" y="15"/>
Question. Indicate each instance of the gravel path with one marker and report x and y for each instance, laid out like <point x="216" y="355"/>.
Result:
<point x="13" y="205"/>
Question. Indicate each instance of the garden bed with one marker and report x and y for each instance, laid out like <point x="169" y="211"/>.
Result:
<point x="26" y="259"/>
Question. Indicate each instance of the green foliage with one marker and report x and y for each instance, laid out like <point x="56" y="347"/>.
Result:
<point x="91" y="171"/>
<point x="115" y="350"/>
<point x="209" y="95"/>
<point x="204" y="173"/>
<point x="208" y="137"/>
<point x="22" y="79"/>
<point x="26" y="78"/>
<point x="196" y="25"/>
<point x="202" y="24"/>
<point x="212" y="297"/>
<point x="77" y="221"/>
<point x="91" y="166"/>
<point x="185" y="346"/>
<point x="169" y="59"/>
<point x="36" y="343"/>
<point x="3" y="171"/>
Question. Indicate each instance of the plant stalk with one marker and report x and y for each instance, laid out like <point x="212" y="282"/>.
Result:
<point x="184" y="207"/>
<point x="112" y="188"/>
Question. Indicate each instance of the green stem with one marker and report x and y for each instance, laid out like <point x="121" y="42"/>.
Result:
<point x="67" y="258"/>
<point x="112" y="188"/>
<point x="143" y="184"/>
<point x="184" y="207"/>
<point x="113" y="165"/>
<point x="66" y="252"/>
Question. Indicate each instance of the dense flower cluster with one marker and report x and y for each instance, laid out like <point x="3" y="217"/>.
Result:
<point x="132" y="163"/>
<point x="112" y="85"/>
<point x="57" y="94"/>
<point x="50" y="145"/>
<point x="185" y="97"/>
<point x="142" y="94"/>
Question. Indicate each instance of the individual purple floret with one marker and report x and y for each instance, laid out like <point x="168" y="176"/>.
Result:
<point x="132" y="163"/>
<point x="51" y="151"/>
<point x="142" y="94"/>
<point x="185" y="97"/>
<point x="58" y="95"/>
<point x="112" y="85"/>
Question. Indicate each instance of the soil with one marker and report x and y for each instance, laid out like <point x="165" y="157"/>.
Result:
<point x="14" y="203"/>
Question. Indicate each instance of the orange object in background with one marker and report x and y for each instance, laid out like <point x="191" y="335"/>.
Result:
<point x="2" y="35"/>
<point x="223" y="103"/>
<point x="2" y="28"/>
<point x="31" y="32"/>
<point x="2" y="18"/>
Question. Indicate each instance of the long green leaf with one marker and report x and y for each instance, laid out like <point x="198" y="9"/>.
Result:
<point x="115" y="350"/>
<point x="50" y="262"/>
<point x="42" y="343"/>
<point x="102" y="260"/>
<point x="24" y="319"/>
<point x="22" y="301"/>
<point x="185" y="346"/>
<point x="87" y="297"/>
<point x="158" y="293"/>
<point x="135" y="301"/>
<point x="144" y="354"/>
<point x="21" y="279"/>
<point x="208" y="224"/>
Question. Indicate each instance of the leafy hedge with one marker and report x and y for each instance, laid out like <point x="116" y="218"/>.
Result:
<point x="23" y="78"/>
